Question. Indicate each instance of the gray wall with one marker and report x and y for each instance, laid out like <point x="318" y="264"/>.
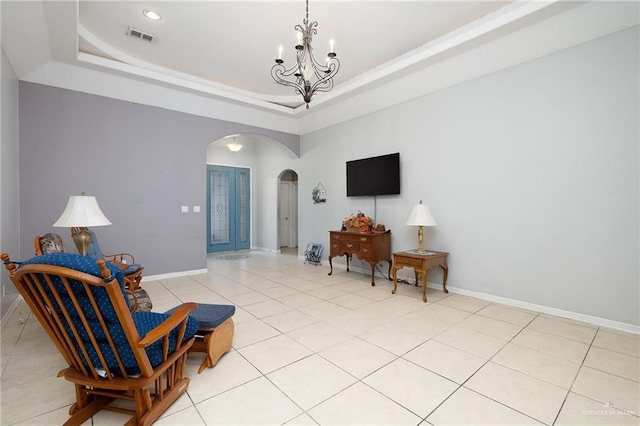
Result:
<point x="142" y="163"/>
<point x="9" y="181"/>
<point x="530" y="172"/>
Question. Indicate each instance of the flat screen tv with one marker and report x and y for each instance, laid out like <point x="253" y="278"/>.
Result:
<point x="374" y="176"/>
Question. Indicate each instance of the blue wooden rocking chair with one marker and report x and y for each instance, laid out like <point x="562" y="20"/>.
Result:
<point x="112" y="354"/>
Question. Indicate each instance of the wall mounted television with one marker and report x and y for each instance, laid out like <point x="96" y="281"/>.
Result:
<point x="374" y="176"/>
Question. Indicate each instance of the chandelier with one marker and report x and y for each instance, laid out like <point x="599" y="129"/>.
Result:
<point x="307" y="76"/>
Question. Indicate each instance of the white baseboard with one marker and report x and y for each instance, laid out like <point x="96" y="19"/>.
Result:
<point x="174" y="275"/>
<point x="10" y="311"/>
<point x="601" y="322"/>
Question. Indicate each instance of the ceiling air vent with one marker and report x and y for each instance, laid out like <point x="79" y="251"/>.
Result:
<point x="140" y="34"/>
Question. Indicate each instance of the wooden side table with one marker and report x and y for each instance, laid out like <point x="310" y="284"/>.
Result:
<point x="421" y="263"/>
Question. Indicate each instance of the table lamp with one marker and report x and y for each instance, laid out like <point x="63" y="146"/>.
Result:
<point x="82" y="211"/>
<point x="421" y="216"/>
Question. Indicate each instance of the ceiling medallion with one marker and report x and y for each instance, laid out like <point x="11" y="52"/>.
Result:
<point x="307" y="76"/>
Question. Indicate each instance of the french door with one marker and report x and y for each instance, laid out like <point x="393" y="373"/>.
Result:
<point x="228" y="209"/>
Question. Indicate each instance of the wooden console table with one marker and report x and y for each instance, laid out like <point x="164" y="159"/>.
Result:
<point x="421" y="263"/>
<point x="370" y="247"/>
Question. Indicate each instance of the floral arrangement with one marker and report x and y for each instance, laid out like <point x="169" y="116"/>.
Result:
<point x="358" y="222"/>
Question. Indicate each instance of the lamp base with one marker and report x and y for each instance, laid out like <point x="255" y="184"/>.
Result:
<point x="82" y="239"/>
<point x="420" y="249"/>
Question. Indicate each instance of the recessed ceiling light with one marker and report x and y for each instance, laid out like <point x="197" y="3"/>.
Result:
<point x="152" y="14"/>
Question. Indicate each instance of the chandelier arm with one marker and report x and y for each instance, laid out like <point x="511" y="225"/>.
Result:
<point x="325" y="74"/>
<point x="327" y="70"/>
<point x="278" y="72"/>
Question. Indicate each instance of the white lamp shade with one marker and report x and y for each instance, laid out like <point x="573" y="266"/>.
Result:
<point x="421" y="216"/>
<point x="82" y="210"/>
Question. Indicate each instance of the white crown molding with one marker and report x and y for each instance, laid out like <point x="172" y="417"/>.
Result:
<point x="521" y="32"/>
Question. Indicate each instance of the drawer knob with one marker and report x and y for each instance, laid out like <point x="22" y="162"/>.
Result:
<point x="349" y="245"/>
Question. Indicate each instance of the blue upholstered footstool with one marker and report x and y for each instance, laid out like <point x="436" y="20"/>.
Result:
<point x="215" y="332"/>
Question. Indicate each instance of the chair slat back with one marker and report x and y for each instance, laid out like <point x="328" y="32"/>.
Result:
<point x="86" y="316"/>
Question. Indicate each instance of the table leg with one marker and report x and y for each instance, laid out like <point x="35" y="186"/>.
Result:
<point x="373" y="273"/>
<point x="389" y="271"/>
<point x="445" y="270"/>
<point x="425" y="276"/>
<point x="395" y="280"/>
<point x="331" y="265"/>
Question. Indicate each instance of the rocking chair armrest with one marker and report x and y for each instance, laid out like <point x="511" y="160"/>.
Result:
<point x="120" y="259"/>
<point x="179" y="316"/>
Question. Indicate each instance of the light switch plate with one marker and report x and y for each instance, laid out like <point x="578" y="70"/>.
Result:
<point x="196" y="209"/>
<point x="185" y="209"/>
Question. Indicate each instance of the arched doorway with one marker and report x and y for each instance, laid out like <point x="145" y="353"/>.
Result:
<point x="269" y="164"/>
<point x="288" y="210"/>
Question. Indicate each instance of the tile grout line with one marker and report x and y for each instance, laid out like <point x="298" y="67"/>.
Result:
<point x="462" y="385"/>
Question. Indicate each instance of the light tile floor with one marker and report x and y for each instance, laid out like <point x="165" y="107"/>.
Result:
<point x="313" y="349"/>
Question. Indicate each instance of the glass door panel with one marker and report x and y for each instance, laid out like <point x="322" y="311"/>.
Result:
<point x="228" y="209"/>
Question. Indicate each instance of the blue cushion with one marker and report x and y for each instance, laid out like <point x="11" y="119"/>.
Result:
<point x="147" y="321"/>
<point x="74" y="261"/>
<point x="88" y="266"/>
<point x="95" y="252"/>
<point x="144" y="321"/>
<point x="133" y="268"/>
<point x="94" y="249"/>
<point x="210" y="316"/>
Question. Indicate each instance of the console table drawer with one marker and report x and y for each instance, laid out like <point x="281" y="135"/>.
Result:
<point x="341" y="247"/>
<point x="366" y="239"/>
<point x="365" y="252"/>
<point x="409" y="261"/>
<point x="352" y="237"/>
